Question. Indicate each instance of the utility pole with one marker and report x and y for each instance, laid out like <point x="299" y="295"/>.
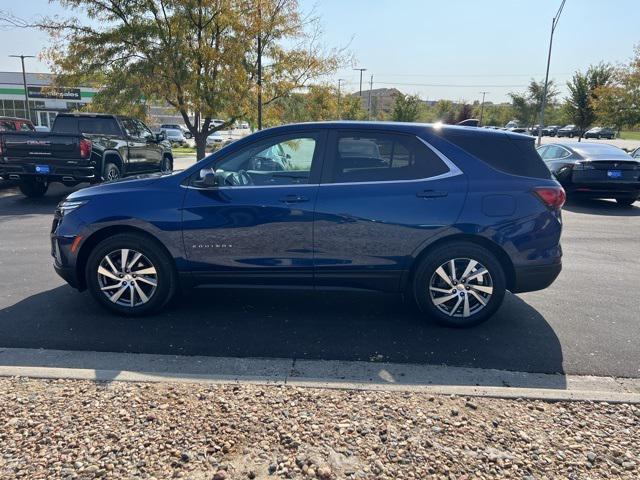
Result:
<point x="340" y="80"/>
<point x="360" y="70"/>
<point x="554" y="24"/>
<point x="24" y="82"/>
<point x="370" y="88"/>
<point x="482" y="107"/>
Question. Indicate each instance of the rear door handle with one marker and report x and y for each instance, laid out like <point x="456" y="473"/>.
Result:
<point x="294" y="199"/>
<point x="431" y="194"/>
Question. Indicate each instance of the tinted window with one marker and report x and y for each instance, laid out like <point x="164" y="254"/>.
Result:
<point x="99" y="126"/>
<point x="7" y="126"/>
<point x="376" y="157"/>
<point x="554" y="151"/>
<point x="508" y="154"/>
<point x="65" y="125"/>
<point x="130" y="127"/>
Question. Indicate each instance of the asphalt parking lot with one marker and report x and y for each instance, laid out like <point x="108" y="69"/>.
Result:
<point x="588" y="322"/>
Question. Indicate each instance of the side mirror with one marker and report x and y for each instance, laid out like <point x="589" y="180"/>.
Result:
<point x="160" y="137"/>
<point x="209" y="180"/>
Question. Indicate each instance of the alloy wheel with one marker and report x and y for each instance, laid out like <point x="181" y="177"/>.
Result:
<point x="461" y="287"/>
<point x="113" y="174"/>
<point x="127" y="277"/>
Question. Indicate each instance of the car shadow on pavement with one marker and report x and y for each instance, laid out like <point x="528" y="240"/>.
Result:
<point x="261" y="324"/>
<point x="15" y="203"/>
<point x="602" y="207"/>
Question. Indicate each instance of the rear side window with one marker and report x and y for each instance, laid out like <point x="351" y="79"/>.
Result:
<point x="379" y="157"/>
<point x="7" y="126"/>
<point x="514" y="156"/>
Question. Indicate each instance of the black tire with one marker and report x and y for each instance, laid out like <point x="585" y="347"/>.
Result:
<point x="166" y="165"/>
<point x="166" y="276"/>
<point x="33" y="189"/>
<point x="111" y="172"/>
<point x="626" y="201"/>
<point x="426" y="272"/>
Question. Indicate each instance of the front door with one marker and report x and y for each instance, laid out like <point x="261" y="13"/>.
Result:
<point x="255" y="224"/>
<point x="152" y="150"/>
<point x="383" y="195"/>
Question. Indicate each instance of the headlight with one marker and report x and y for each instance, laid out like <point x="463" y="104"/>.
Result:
<point x="67" y="206"/>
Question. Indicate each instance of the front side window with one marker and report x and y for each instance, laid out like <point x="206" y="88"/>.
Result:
<point x="379" y="157"/>
<point x="144" y="130"/>
<point x="282" y="161"/>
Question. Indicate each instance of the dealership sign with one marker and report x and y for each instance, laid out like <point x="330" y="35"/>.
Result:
<point x="53" y="92"/>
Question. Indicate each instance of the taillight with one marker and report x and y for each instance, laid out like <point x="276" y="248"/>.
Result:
<point x="85" y="148"/>
<point x="552" y="197"/>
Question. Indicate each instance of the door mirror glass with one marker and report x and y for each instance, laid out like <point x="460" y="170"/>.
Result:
<point x="208" y="179"/>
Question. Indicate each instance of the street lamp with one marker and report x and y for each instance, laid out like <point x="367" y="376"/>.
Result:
<point x="24" y="81"/>
<point x="554" y="24"/>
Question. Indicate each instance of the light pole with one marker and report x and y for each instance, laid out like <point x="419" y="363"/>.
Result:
<point x="360" y="70"/>
<point x="24" y="82"/>
<point x="340" y="80"/>
<point x="370" y="89"/>
<point x="482" y="107"/>
<point x="554" y="24"/>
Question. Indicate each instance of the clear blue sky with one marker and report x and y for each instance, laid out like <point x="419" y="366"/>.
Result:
<point x="493" y="45"/>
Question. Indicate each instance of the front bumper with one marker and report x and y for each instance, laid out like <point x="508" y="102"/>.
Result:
<point x="536" y="277"/>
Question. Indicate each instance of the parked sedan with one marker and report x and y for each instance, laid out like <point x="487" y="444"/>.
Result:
<point x="600" y="132"/>
<point x="174" y="126"/>
<point x="452" y="217"/>
<point x="550" y="130"/>
<point x="594" y="170"/>
<point x="174" y="136"/>
<point x="215" y="138"/>
<point x="568" y="131"/>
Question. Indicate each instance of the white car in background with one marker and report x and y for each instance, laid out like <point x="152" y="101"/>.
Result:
<point x="215" y="138"/>
<point x="174" y="136"/>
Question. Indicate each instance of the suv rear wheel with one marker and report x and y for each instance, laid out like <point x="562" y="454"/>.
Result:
<point x="459" y="285"/>
<point x="111" y="172"/>
<point x="130" y="275"/>
<point x="32" y="188"/>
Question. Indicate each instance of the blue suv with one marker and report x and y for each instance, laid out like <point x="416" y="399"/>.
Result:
<point x="452" y="216"/>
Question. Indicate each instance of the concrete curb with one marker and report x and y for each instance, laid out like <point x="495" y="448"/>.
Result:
<point x="130" y="367"/>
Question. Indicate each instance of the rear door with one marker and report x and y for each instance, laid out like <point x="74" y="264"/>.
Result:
<point x="382" y="196"/>
<point x="136" y="145"/>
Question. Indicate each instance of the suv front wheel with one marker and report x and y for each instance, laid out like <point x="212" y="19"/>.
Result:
<point x="459" y="285"/>
<point x="129" y="274"/>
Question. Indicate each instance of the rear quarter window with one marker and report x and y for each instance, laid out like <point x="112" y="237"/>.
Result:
<point x="507" y="154"/>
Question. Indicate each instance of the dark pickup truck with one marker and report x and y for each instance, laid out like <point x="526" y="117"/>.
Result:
<point x="82" y="148"/>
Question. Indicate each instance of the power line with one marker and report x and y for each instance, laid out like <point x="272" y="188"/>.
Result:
<point x="451" y="85"/>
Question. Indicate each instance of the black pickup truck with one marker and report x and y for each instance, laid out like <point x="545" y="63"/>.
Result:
<point x="82" y="148"/>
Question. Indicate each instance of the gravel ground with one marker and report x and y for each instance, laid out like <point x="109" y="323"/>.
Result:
<point x="82" y="429"/>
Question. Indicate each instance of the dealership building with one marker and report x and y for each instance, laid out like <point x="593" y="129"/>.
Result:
<point x="45" y="100"/>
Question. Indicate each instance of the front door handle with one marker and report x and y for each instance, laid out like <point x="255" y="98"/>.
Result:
<point x="294" y="199"/>
<point x="431" y="194"/>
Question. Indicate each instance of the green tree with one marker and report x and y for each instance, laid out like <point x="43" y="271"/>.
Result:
<point x="465" y="111"/>
<point x="199" y="56"/>
<point x="406" y="108"/>
<point x="617" y="102"/>
<point x="583" y="94"/>
<point x="445" y="111"/>
<point x="527" y="106"/>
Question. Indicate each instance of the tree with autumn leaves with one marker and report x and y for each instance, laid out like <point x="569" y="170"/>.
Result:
<point x="206" y="58"/>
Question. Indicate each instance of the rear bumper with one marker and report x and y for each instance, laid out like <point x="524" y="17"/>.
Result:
<point x="58" y="173"/>
<point x="603" y="190"/>
<point x="537" y="277"/>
